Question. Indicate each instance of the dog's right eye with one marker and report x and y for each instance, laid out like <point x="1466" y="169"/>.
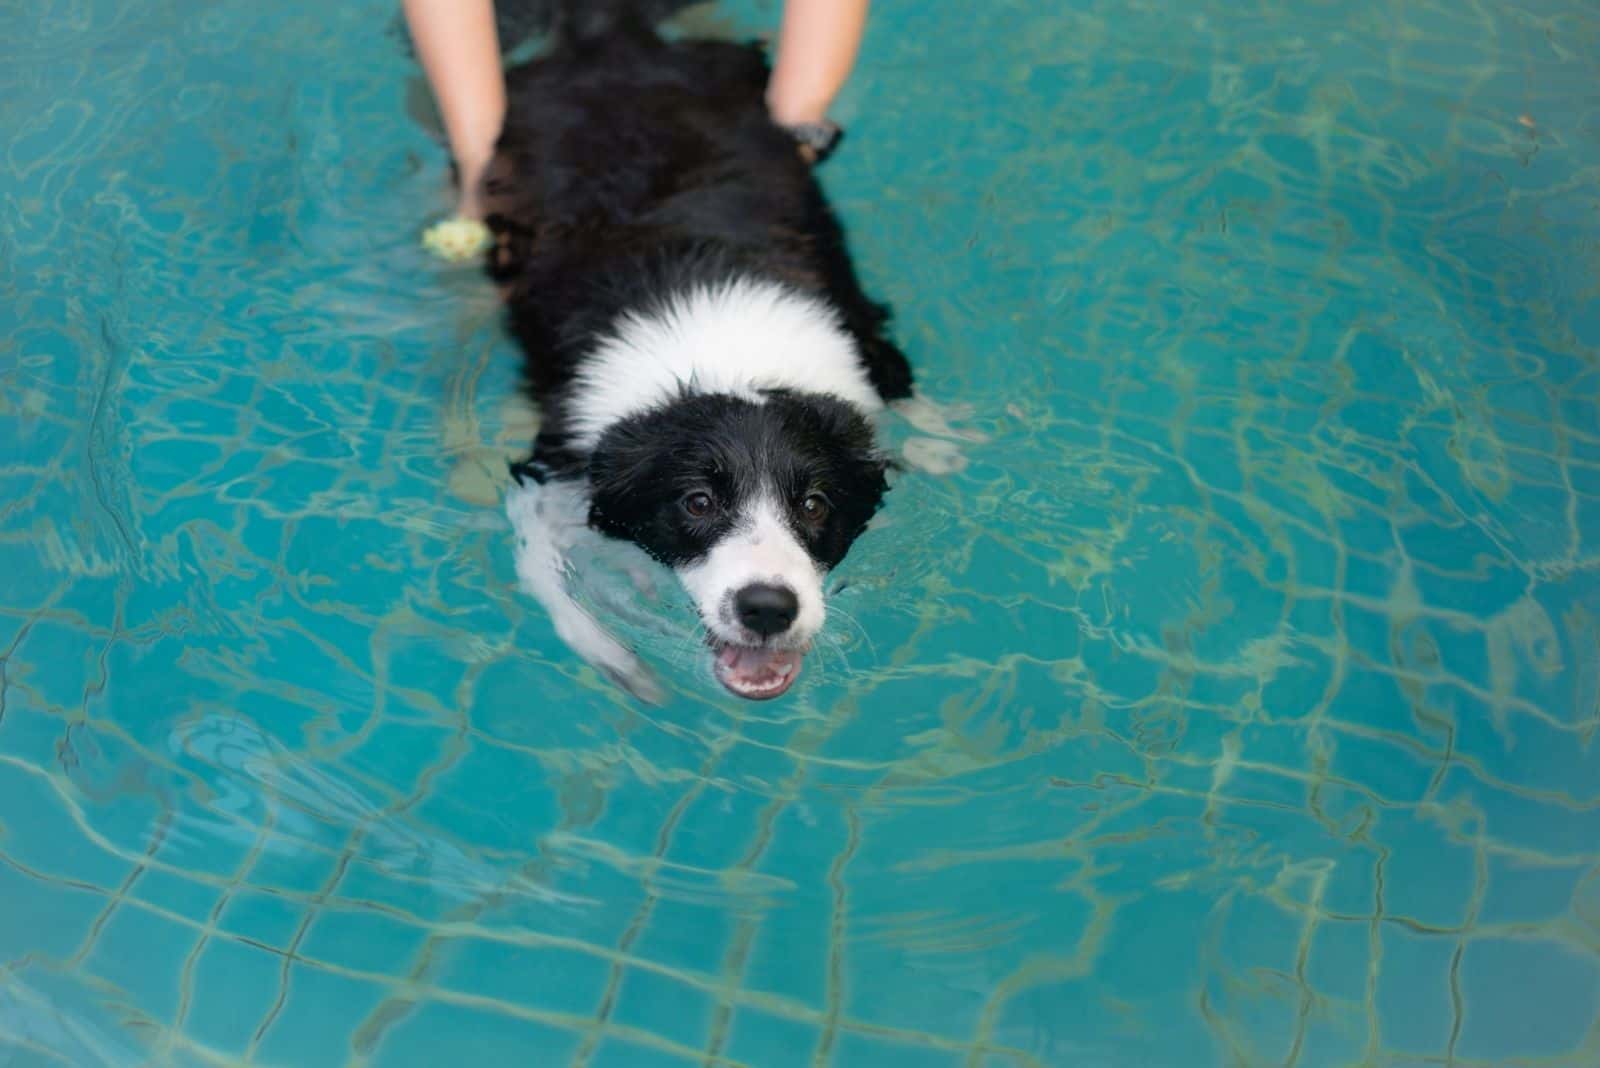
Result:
<point x="698" y="505"/>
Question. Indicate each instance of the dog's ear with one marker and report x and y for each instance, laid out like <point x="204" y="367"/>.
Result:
<point x="621" y="462"/>
<point x="839" y="422"/>
<point x="621" y="471"/>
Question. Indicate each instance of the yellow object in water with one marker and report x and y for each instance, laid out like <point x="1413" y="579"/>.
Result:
<point x="457" y="240"/>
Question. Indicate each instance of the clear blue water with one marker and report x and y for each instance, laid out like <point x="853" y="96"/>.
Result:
<point x="1236" y="705"/>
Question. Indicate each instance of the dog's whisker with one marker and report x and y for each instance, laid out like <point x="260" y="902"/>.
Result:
<point x="686" y="647"/>
<point x="829" y="643"/>
<point x="855" y="623"/>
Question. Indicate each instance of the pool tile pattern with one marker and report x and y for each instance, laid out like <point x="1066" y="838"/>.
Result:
<point x="1234" y="704"/>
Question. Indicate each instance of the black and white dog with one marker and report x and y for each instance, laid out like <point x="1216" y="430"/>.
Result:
<point x="705" y="363"/>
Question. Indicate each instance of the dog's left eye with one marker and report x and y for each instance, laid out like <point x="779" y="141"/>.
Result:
<point x="698" y="505"/>
<point x="815" y="508"/>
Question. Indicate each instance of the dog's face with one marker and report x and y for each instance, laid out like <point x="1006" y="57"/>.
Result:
<point x="751" y="503"/>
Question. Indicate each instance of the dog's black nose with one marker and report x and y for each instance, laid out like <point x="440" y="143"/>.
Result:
<point x="767" y="610"/>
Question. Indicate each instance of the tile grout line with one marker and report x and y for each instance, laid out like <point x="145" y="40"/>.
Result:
<point x="446" y="760"/>
<point x="836" y="936"/>
<point x="646" y="908"/>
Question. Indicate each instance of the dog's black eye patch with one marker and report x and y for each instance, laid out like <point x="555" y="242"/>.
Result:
<point x="645" y="469"/>
<point x="736" y="451"/>
<point x="829" y="450"/>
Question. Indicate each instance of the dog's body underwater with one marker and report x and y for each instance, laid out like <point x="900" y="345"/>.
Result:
<point x="704" y="361"/>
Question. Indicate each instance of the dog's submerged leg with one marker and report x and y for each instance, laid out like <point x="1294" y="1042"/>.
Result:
<point x="939" y="449"/>
<point x="548" y="519"/>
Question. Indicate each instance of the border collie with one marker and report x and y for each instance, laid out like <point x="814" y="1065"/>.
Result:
<point x="705" y="363"/>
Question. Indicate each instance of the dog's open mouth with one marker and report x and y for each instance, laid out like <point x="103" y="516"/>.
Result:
<point x="753" y="673"/>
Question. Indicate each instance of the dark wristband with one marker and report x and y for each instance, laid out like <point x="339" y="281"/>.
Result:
<point x="818" y="139"/>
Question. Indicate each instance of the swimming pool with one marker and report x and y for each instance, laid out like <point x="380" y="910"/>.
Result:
<point x="1235" y="705"/>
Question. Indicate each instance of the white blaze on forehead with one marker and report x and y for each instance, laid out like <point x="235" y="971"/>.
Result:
<point x="740" y="338"/>
<point x="761" y="549"/>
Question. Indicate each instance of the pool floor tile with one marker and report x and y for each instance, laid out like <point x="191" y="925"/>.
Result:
<point x="312" y="1024"/>
<point x="232" y="985"/>
<point x="434" y="1034"/>
<point x="547" y="978"/>
<point x="665" y="1006"/>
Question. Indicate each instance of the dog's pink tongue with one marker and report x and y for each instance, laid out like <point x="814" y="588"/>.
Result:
<point x="757" y="672"/>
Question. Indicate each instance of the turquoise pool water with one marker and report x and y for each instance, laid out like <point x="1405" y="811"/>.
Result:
<point x="1236" y="705"/>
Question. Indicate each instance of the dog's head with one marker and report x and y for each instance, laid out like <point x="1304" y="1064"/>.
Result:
<point x="751" y="502"/>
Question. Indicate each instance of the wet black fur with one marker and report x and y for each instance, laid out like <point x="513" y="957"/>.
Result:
<point x="632" y="168"/>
